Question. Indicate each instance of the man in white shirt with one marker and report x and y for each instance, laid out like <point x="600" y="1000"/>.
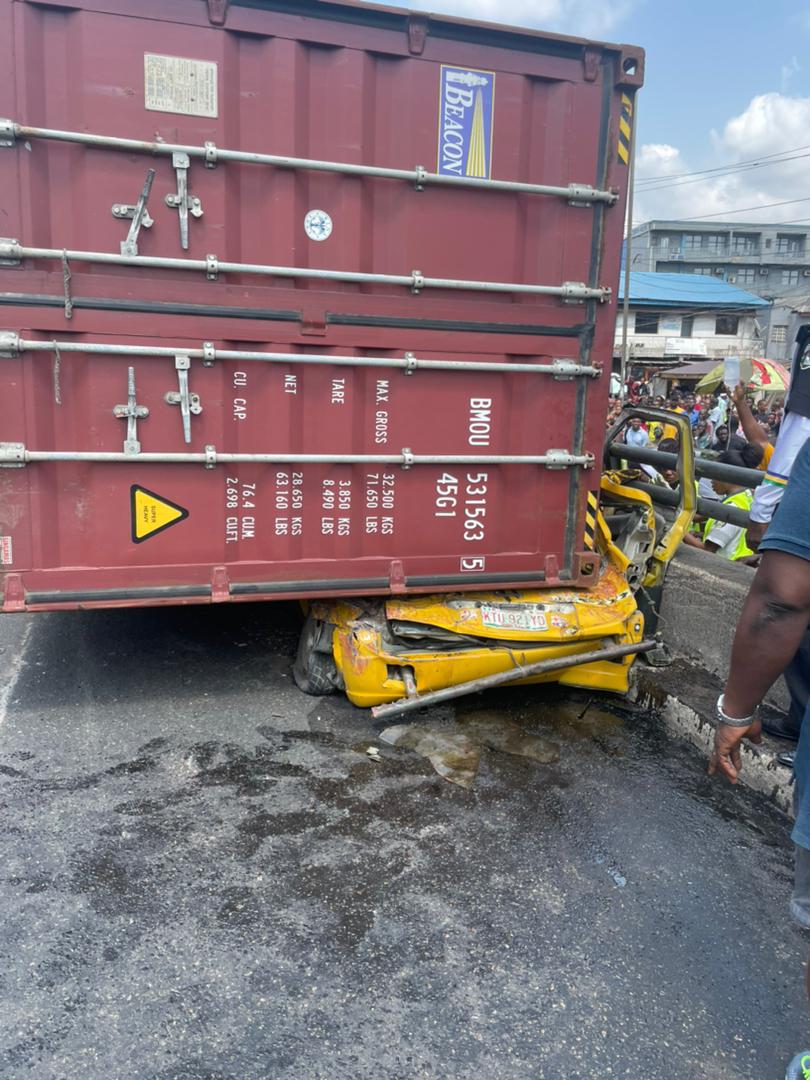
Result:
<point x="635" y="434"/>
<point x="719" y="414"/>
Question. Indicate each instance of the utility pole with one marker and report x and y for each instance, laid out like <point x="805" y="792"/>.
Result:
<point x="628" y="247"/>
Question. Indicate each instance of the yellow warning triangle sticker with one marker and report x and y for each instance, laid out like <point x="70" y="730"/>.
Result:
<point x="151" y="513"/>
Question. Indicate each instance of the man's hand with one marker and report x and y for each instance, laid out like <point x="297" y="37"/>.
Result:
<point x="738" y="394"/>
<point x="726" y="754"/>
<point x="756" y="530"/>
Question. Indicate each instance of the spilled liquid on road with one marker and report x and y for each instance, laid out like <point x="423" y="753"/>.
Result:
<point x="455" y="753"/>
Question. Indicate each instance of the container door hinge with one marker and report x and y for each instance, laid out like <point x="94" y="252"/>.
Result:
<point x="138" y="213"/>
<point x="9" y="343"/>
<point x="557" y="459"/>
<point x="218" y="12"/>
<point x="180" y="200"/>
<point x="564" y="369"/>
<point x="8" y="133"/>
<point x="9" y="252"/>
<point x="12" y="455"/>
<point x="585" y="195"/>
<point x="189" y="403"/>
<point x="132" y="412"/>
<point x="417" y="33"/>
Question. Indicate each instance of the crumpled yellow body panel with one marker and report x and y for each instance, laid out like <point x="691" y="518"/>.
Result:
<point x="516" y="629"/>
<point x="566" y="613"/>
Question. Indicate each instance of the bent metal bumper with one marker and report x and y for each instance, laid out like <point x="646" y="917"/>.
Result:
<point x="377" y="666"/>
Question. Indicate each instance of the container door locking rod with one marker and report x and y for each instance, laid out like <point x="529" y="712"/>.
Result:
<point x="576" y="194"/>
<point x="132" y="412"/>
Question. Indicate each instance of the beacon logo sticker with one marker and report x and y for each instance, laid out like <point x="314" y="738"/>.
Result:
<point x="466" y="100"/>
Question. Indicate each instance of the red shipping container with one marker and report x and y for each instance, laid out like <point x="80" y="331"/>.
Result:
<point x="301" y="298"/>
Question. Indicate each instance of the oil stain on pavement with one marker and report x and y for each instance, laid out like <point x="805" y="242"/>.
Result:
<point x="205" y="875"/>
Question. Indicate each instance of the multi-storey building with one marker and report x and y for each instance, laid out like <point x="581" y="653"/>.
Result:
<point x="769" y="260"/>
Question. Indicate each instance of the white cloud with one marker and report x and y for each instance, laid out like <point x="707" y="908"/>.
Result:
<point x="788" y="70"/>
<point x="771" y="124"/>
<point x="583" y="18"/>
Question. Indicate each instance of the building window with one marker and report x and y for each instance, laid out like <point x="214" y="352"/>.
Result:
<point x="726" y="324"/>
<point x="646" y="322"/>
<point x="745" y="243"/>
<point x="705" y="243"/>
<point x="746" y="275"/>
<point x="790" y="277"/>
<point x="789" y="245"/>
<point x="687" y="325"/>
<point x="707" y="271"/>
<point x="778" y="334"/>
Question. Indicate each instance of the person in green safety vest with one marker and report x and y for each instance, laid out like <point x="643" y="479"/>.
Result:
<point x="726" y="539"/>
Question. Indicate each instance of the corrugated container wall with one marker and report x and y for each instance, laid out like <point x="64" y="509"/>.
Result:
<point x="300" y="298"/>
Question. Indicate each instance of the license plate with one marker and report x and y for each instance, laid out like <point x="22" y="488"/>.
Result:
<point x="518" y="619"/>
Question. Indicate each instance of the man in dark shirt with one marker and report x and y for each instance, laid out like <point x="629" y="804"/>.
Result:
<point x="769" y="635"/>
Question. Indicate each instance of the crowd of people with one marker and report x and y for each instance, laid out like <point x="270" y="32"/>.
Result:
<point x="716" y="419"/>
<point x="732" y="428"/>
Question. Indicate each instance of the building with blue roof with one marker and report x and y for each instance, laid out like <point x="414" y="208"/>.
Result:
<point x="684" y="317"/>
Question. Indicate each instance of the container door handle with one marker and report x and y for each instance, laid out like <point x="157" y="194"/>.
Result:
<point x="189" y="403"/>
<point x="139" y="215"/>
<point x="181" y="200"/>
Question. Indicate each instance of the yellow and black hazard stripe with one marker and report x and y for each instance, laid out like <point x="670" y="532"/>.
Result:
<point x="590" y="520"/>
<point x="625" y="129"/>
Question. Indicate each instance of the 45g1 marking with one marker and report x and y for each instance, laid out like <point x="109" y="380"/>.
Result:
<point x="466" y="499"/>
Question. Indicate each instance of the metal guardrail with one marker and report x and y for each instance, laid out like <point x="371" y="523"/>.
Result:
<point x="714" y="470"/>
<point x="708" y="508"/>
<point x="717" y="470"/>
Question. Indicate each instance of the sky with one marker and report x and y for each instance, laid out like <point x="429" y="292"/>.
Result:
<point x="726" y="83"/>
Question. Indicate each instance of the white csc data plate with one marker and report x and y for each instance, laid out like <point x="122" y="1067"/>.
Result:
<point x="177" y="85"/>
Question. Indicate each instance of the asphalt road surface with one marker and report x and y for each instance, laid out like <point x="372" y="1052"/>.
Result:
<point x="203" y="875"/>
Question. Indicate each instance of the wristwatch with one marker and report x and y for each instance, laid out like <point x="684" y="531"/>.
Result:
<point x="733" y="721"/>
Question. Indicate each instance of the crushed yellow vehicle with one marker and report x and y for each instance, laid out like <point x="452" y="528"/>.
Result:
<point x="392" y="649"/>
